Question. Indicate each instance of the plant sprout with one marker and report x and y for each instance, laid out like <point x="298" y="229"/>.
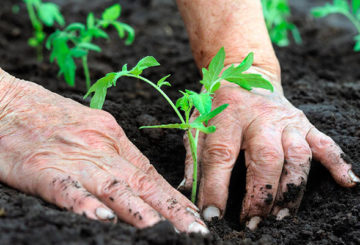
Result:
<point x="342" y="7"/>
<point x="42" y="14"/>
<point x="276" y="13"/>
<point x="75" y="41"/>
<point x="189" y="99"/>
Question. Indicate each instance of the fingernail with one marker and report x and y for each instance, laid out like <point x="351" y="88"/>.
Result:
<point x="196" y="227"/>
<point x="104" y="214"/>
<point x="182" y="184"/>
<point x="282" y="213"/>
<point x="211" y="212"/>
<point x="176" y="230"/>
<point x="196" y="214"/>
<point x="353" y="177"/>
<point x="253" y="223"/>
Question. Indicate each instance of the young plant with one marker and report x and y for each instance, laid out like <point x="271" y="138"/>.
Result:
<point x="42" y="14"/>
<point x="342" y="7"/>
<point x="75" y="41"/>
<point x="276" y="13"/>
<point x="189" y="99"/>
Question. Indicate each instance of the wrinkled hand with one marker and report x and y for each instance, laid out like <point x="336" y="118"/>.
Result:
<point x="81" y="160"/>
<point x="279" y="143"/>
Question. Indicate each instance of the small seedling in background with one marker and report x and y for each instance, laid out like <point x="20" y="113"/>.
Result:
<point x="277" y="13"/>
<point x="190" y="99"/>
<point x="75" y="41"/>
<point x="342" y="7"/>
<point x="41" y="14"/>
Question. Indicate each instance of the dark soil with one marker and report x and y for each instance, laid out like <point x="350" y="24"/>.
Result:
<point x="321" y="77"/>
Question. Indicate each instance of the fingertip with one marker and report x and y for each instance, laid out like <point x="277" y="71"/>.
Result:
<point x="353" y="177"/>
<point x="211" y="212"/>
<point x="253" y="223"/>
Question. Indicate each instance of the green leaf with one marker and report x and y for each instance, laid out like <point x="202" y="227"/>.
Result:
<point x="184" y="102"/>
<point x="33" y="42"/>
<point x="89" y="46"/>
<point x="210" y="115"/>
<point x="112" y="13"/>
<point x="49" y="13"/>
<point x="99" y="88"/>
<point x="175" y="125"/>
<point x="97" y="32"/>
<point x="357" y="43"/>
<point x="121" y="28"/>
<point x="250" y="81"/>
<point x="144" y="63"/>
<point x="162" y="82"/>
<point x="78" y="52"/>
<point x="238" y="70"/>
<point x="339" y="6"/>
<point x="211" y="75"/>
<point x="201" y="101"/>
<point x="75" y="27"/>
<point x="355" y="6"/>
<point x="90" y="21"/>
<point x="203" y="128"/>
<point x="69" y="69"/>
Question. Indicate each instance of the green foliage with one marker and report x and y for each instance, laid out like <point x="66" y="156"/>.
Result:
<point x="75" y="41"/>
<point x="189" y="99"/>
<point x="276" y="13"/>
<point x="352" y="12"/>
<point x="42" y="14"/>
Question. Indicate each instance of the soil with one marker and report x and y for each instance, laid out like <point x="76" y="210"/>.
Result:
<point x="321" y="77"/>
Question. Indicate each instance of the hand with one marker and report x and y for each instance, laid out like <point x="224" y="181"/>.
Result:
<point x="279" y="143"/>
<point x="81" y="160"/>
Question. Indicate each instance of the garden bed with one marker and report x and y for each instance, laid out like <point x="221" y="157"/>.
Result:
<point x="321" y="77"/>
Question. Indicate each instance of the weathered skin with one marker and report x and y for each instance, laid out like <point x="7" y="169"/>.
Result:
<point x="278" y="139"/>
<point x="81" y="160"/>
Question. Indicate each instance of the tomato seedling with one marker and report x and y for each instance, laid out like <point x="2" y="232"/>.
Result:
<point x="277" y="13"/>
<point x="189" y="99"/>
<point x="75" y="41"/>
<point x="42" y="14"/>
<point x="342" y="7"/>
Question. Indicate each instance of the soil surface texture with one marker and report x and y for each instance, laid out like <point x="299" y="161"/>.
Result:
<point x="321" y="77"/>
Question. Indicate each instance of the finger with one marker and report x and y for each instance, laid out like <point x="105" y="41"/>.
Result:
<point x="186" y="183"/>
<point x="118" y="195"/>
<point x="326" y="151"/>
<point x="294" y="174"/>
<point x="133" y="155"/>
<point x="66" y="192"/>
<point x="183" y="217"/>
<point x="264" y="161"/>
<point x="220" y="151"/>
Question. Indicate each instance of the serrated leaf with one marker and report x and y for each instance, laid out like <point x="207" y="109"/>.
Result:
<point x="112" y="13"/>
<point x="89" y="46"/>
<point x="183" y="102"/>
<point x="144" y="63"/>
<point x="211" y="75"/>
<point x="238" y="70"/>
<point x="174" y="125"/>
<point x="250" y="81"/>
<point x="49" y="13"/>
<point x="201" y="101"/>
<point x="210" y="115"/>
<point x="75" y="27"/>
<point x="90" y="21"/>
<point x="162" y="82"/>
<point x="99" y="88"/>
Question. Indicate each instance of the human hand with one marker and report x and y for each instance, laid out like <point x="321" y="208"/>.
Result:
<point x="80" y="159"/>
<point x="279" y="143"/>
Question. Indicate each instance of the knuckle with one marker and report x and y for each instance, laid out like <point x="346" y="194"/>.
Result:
<point x="267" y="154"/>
<point x="110" y="123"/>
<point x="299" y="152"/>
<point x="222" y="153"/>
<point x="142" y="183"/>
